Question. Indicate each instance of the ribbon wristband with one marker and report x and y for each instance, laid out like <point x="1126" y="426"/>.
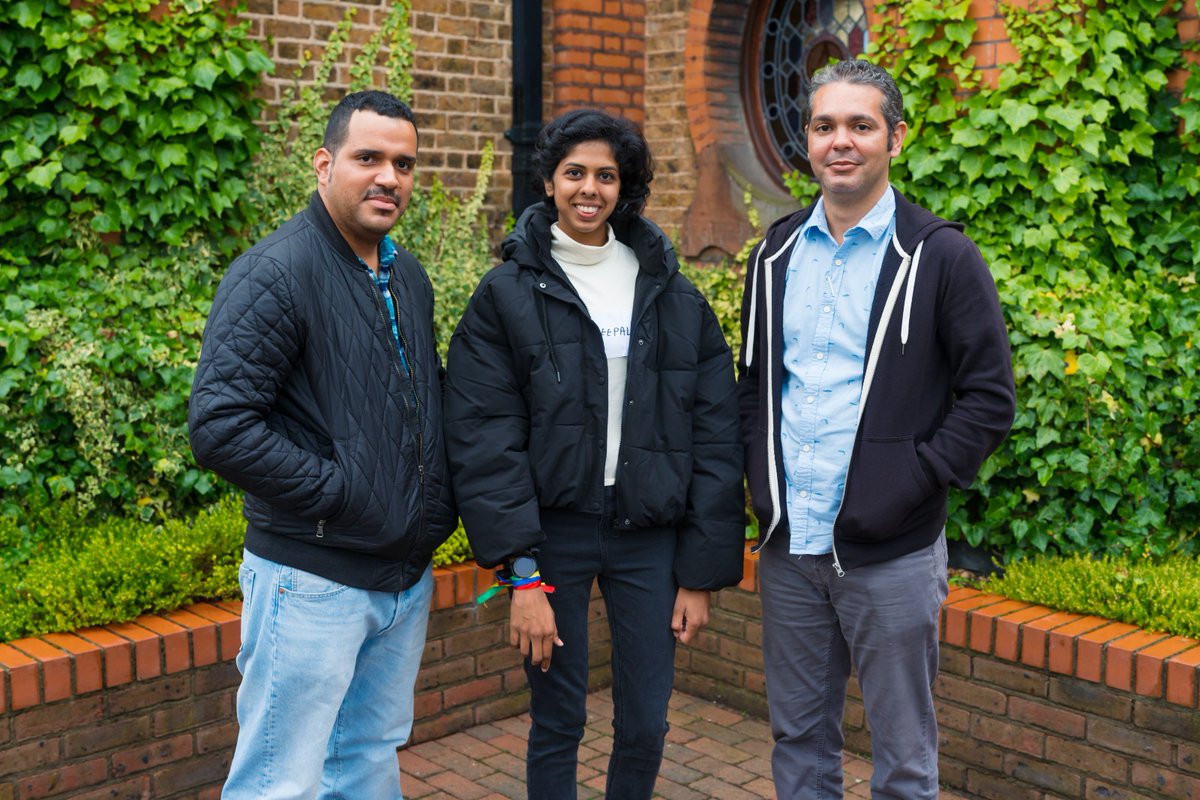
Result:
<point x="505" y="581"/>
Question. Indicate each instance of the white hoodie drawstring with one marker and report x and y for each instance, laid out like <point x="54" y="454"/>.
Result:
<point x="908" y="295"/>
<point x="886" y="317"/>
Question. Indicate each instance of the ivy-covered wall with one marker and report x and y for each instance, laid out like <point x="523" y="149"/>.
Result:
<point x="1078" y="174"/>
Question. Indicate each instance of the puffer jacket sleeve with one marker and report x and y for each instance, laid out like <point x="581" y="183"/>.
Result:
<point x="712" y="537"/>
<point x="251" y="344"/>
<point x="487" y="432"/>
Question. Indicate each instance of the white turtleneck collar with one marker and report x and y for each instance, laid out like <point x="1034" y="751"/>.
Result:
<point x="565" y="249"/>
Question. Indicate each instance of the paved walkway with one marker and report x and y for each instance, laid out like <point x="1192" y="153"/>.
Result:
<point x="712" y="752"/>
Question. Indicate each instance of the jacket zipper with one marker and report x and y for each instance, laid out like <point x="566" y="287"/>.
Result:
<point x="647" y="301"/>
<point x="415" y="408"/>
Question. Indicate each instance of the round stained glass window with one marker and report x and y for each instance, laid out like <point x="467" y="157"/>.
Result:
<point x="795" y="38"/>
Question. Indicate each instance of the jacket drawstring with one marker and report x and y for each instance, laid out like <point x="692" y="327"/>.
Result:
<point x="749" y="338"/>
<point x="908" y="292"/>
<point x="541" y="306"/>
<point x="885" y="319"/>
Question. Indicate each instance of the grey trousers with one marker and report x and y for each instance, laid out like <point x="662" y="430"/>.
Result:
<point x="883" y="619"/>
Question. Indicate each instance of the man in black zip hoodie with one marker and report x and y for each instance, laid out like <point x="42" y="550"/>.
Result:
<point x="318" y="393"/>
<point x="875" y="374"/>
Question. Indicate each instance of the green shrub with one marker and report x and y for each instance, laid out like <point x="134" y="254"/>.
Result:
<point x="98" y="339"/>
<point x="1079" y="178"/>
<point x="114" y="124"/>
<point x="118" y="569"/>
<point x="1159" y="595"/>
<point x="138" y="125"/>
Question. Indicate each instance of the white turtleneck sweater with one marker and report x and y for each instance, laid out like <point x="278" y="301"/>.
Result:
<point x="604" y="278"/>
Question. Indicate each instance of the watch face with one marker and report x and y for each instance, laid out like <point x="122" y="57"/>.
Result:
<point x="524" y="566"/>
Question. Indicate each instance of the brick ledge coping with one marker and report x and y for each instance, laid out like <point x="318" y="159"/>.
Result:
<point x="57" y="666"/>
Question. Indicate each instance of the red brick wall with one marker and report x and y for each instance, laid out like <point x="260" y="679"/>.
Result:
<point x="462" y="92"/>
<point x="599" y="51"/>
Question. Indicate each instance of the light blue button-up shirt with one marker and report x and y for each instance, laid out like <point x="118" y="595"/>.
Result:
<point x="826" y="312"/>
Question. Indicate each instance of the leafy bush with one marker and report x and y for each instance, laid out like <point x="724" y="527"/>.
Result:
<point x="1079" y="178"/>
<point x="123" y="139"/>
<point x="108" y="282"/>
<point x="117" y="569"/>
<point x="1159" y="595"/>
<point x="137" y="125"/>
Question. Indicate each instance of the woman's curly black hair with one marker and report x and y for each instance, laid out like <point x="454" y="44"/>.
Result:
<point x="634" y="162"/>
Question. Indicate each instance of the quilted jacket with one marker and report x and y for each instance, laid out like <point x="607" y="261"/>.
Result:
<point x="527" y="408"/>
<point x="300" y="400"/>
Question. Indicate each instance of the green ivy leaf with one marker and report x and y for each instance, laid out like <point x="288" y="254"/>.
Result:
<point x="70" y="134"/>
<point x="169" y="155"/>
<point x="204" y="73"/>
<point x="1017" y="114"/>
<point x="43" y="175"/>
<point x="1065" y="180"/>
<point x="1069" y="117"/>
<point x="28" y="13"/>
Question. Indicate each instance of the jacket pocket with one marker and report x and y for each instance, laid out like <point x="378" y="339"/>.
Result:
<point x="885" y="484"/>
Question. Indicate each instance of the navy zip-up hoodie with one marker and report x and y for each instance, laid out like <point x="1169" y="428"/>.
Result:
<point x="938" y="393"/>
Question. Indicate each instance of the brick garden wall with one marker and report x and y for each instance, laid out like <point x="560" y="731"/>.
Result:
<point x="146" y="709"/>
<point x="1032" y="704"/>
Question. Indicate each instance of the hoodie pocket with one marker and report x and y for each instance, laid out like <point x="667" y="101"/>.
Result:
<point x="886" y="483"/>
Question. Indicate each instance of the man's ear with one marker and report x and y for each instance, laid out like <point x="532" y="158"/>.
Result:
<point x="898" y="137"/>
<point x="322" y="162"/>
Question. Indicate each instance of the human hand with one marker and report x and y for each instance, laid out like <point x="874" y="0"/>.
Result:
<point x="691" y="614"/>
<point x="531" y="627"/>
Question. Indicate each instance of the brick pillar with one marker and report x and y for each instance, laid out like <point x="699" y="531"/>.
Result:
<point x="600" y="56"/>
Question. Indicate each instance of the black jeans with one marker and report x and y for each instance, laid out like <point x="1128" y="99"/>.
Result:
<point x="636" y="577"/>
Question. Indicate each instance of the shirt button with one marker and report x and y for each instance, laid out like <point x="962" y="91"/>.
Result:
<point x="807" y="448"/>
<point x="827" y="309"/>
<point x="820" y="356"/>
<point x="809" y="399"/>
<point x="803" y="493"/>
<point x="837" y="262"/>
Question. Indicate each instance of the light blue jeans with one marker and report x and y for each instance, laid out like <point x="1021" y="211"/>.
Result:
<point x="328" y="673"/>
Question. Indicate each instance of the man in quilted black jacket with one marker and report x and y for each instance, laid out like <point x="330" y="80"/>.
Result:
<point x="318" y="394"/>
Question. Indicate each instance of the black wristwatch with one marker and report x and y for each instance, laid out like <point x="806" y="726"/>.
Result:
<point x="523" y="566"/>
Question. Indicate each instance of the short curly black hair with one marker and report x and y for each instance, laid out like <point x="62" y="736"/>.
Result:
<point x="634" y="163"/>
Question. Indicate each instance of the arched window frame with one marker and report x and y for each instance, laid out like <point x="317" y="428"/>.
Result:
<point x="775" y="88"/>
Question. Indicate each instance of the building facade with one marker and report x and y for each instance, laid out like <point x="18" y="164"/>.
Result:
<point x="715" y="84"/>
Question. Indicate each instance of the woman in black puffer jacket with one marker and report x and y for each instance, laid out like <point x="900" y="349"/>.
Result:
<point x="592" y="431"/>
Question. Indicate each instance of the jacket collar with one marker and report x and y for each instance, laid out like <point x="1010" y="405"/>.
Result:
<point x="318" y="215"/>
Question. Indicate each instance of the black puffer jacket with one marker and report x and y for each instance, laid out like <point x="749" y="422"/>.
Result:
<point x="527" y="408"/>
<point x="300" y="400"/>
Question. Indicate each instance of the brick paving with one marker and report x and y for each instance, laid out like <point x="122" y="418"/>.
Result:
<point x="712" y="752"/>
